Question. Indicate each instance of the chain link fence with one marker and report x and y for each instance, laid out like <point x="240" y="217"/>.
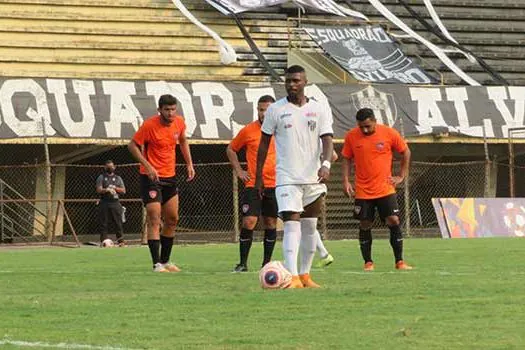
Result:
<point x="209" y="209"/>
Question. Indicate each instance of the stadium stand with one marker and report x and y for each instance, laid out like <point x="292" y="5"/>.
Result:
<point x="150" y="39"/>
<point x="129" y="39"/>
<point x="102" y="39"/>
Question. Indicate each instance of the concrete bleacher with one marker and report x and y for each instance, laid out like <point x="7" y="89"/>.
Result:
<point x="150" y="39"/>
<point x="129" y="39"/>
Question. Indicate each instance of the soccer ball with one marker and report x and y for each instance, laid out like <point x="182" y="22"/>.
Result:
<point x="107" y="243"/>
<point x="274" y="276"/>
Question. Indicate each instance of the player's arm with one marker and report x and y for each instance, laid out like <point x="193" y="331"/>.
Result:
<point x="405" y="165"/>
<point x="231" y="153"/>
<point x="267" y="130"/>
<point x="347" y="154"/>
<point x="400" y="146"/>
<point x="186" y="154"/>
<point x="262" y="153"/>
<point x="347" y="185"/>
<point x="326" y="133"/>
<point x="135" y="151"/>
<point x="328" y="152"/>
<point x="335" y="157"/>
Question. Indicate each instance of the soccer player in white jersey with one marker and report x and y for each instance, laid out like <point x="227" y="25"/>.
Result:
<point x="297" y="123"/>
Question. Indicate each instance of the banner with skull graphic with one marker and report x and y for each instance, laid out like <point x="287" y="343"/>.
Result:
<point x="368" y="53"/>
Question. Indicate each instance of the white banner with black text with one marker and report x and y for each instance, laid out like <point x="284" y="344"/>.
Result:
<point x="113" y="109"/>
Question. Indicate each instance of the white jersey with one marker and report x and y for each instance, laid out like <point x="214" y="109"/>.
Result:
<point x="297" y="131"/>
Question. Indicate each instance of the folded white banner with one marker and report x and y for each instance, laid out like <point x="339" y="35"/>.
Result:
<point x="237" y="6"/>
<point x="226" y="51"/>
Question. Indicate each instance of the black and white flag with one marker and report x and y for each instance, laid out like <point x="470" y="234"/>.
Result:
<point x="237" y="6"/>
<point x="368" y="53"/>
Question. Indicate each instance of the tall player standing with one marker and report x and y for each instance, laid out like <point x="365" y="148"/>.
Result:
<point x="297" y="123"/>
<point x="253" y="206"/>
<point x="158" y="137"/>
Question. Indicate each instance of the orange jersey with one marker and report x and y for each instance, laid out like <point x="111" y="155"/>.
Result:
<point x="373" y="160"/>
<point x="249" y="137"/>
<point x="159" y="142"/>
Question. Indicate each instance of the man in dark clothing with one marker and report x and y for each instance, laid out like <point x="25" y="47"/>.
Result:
<point x="109" y="187"/>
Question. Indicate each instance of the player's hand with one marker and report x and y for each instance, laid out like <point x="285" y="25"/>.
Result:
<point x="323" y="174"/>
<point x="348" y="189"/>
<point x="395" y="180"/>
<point x="191" y="173"/>
<point x="243" y="175"/>
<point x="152" y="173"/>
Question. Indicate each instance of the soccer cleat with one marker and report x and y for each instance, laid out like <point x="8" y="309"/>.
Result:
<point x="295" y="283"/>
<point x="240" y="268"/>
<point x="401" y="265"/>
<point x="324" y="262"/>
<point x="158" y="267"/>
<point x="171" y="267"/>
<point x="369" y="266"/>
<point x="122" y="244"/>
<point x="307" y="282"/>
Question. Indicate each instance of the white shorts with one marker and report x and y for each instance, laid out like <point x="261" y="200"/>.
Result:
<point x="295" y="197"/>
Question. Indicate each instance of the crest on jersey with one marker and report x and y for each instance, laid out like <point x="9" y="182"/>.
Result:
<point x="383" y="104"/>
<point x="152" y="194"/>
<point x="312" y="124"/>
<point x="380" y="146"/>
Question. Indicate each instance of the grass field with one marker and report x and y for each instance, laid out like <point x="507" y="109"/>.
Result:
<point x="463" y="294"/>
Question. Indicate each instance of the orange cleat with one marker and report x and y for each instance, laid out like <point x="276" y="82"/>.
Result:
<point x="369" y="266"/>
<point x="296" y="283"/>
<point x="159" y="268"/>
<point x="307" y="282"/>
<point x="171" y="267"/>
<point x="401" y="265"/>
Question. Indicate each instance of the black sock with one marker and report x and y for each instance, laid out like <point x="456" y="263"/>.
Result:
<point x="165" y="248"/>
<point x="365" y="243"/>
<point x="396" y="241"/>
<point x="245" y="243"/>
<point x="270" y="236"/>
<point x="154" y="245"/>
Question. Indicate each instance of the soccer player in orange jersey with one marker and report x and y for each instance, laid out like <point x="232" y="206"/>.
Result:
<point x="153" y="145"/>
<point x="252" y="206"/>
<point x="371" y="146"/>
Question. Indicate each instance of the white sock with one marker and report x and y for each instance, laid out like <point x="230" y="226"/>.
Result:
<point x="291" y="240"/>
<point x="321" y="249"/>
<point x="308" y="243"/>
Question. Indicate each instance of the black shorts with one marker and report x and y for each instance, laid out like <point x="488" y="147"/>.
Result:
<point x="252" y="205"/>
<point x="160" y="191"/>
<point x="365" y="209"/>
